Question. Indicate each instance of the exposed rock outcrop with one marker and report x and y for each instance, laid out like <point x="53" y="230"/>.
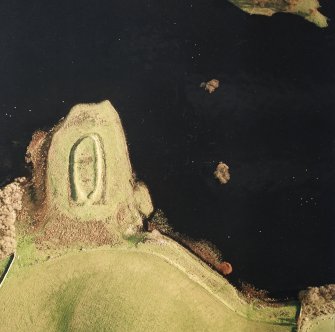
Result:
<point x="222" y="173"/>
<point x="10" y="204"/>
<point x="317" y="304"/>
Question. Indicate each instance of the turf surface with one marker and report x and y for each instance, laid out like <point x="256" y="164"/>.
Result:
<point x="150" y="287"/>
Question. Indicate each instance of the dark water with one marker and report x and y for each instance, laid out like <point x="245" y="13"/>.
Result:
<point x="271" y="120"/>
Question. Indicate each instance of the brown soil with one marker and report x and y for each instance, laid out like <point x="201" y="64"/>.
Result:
<point x="67" y="232"/>
<point x="36" y="156"/>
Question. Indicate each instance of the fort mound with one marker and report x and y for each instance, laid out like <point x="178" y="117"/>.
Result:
<point x="83" y="189"/>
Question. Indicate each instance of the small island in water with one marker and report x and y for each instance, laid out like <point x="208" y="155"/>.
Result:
<point x="308" y="9"/>
<point x="82" y="248"/>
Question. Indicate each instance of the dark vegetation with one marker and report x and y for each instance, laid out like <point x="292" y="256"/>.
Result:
<point x="205" y="250"/>
<point x="251" y="293"/>
<point x="316" y="302"/>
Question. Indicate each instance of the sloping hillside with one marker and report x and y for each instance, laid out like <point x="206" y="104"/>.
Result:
<point x="154" y="286"/>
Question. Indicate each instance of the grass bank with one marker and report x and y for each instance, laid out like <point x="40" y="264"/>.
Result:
<point x="157" y="285"/>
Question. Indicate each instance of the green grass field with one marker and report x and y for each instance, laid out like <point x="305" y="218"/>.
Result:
<point x="148" y="287"/>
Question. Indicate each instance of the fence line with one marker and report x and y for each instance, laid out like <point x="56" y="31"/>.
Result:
<point x="8" y="267"/>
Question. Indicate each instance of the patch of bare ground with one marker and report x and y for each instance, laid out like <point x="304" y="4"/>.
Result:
<point x="285" y="4"/>
<point x="66" y="232"/>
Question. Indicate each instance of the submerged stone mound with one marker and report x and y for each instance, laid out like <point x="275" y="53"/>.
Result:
<point x="211" y="85"/>
<point x="83" y="187"/>
<point x="222" y="173"/>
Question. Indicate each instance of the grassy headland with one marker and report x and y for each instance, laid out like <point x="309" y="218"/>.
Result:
<point x="155" y="285"/>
